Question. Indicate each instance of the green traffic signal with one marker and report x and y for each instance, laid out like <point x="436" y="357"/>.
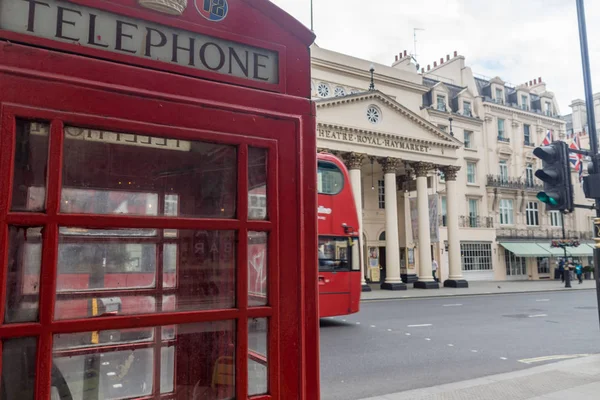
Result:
<point x="545" y="198"/>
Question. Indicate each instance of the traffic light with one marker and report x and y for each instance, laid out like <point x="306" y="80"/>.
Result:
<point x="556" y="175"/>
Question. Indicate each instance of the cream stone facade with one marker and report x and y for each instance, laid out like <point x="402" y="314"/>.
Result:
<point x="442" y="168"/>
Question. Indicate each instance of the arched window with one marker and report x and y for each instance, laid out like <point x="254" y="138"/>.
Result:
<point x="382" y="236"/>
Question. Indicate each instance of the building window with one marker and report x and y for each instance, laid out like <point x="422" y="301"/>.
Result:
<point x="543" y="265"/>
<point x="529" y="175"/>
<point x="339" y="91"/>
<point x="441" y="102"/>
<point x="527" y="135"/>
<point x="323" y="89"/>
<point x="531" y="211"/>
<point x="515" y="266"/>
<point x="373" y="114"/>
<point x="476" y="256"/>
<point x="555" y="219"/>
<point x="444" y="212"/>
<point x="500" y="128"/>
<point x="503" y="168"/>
<point x="524" y="102"/>
<point x="471" y="172"/>
<point x="442" y="176"/>
<point x="467" y="109"/>
<point x="506" y="212"/>
<point x="499" y="96"/>
<point x="381" y="193"/>
<point x="468" y="139"/>
<point x="473" y="213"/>
<point x="548" y="108"/>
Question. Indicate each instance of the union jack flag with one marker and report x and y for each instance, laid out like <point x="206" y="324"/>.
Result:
<point x="548" y="138"/>
<point x="576" y="159"/>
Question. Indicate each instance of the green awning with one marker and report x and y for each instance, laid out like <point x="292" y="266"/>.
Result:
<point x="525" y="249"/>
<point x="554" y="251"/>
<point x="584" y="250"/>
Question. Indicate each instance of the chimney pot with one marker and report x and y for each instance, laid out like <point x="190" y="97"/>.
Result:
<point x="434" y="64"/>
<point x="530" y="83"/>
<point x="441" y="60"/>
<point x="455" y="53"/>
<point x="428" y="67"/>
<point x="447" y="57"/>
<point x="535" y="81"/>
<point x="540" y="79"/>
<point x="396" y="57"/>
<point x="404" y="53"/>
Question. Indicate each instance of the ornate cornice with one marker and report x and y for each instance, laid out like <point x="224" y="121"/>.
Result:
<point x="518" y="111"/>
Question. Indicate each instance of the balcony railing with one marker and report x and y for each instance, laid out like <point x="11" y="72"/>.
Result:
<point x="501" y="138"/>
<point x="467" y="221"/>
<point x="512" y="183"/>
<point x="539" y="233"/>
<point x="528" y="143"/>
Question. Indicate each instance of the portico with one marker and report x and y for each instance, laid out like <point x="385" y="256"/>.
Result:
<point x="392" y="154"/>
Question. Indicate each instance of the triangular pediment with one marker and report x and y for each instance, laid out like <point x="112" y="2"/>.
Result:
<point x="441" y="87"/>
<point x="465" y="94"/>
<point x="391" y="118"/>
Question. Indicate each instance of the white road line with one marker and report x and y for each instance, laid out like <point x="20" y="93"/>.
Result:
<point x="117" y="385"/>
<point x="419" y="325"/>
<point x="538" y="315"/>
<point x="427" y="338"/>
<point x="452" y="305"/>
<point x="111" y="374"/>
<point x="503" y="358"/>
<point x="551" y="358"/>
<point x="389" y="330"/>
<point x="450" y="345"/>
<point x="372" y="326"/>
<point x="543" y="300"/>
<point x="407" y="334"/>
<point x="473" y="351"/>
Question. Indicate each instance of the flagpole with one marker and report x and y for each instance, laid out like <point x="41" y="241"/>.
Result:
<point x="311" y="17"/>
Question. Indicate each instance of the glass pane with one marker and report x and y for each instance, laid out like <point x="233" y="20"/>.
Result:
<point x="198" y="272"/>
<point x="330" y="179"/>
<point x="257" y="183"/>
<point x="23" y="280"/>
<point x="257" y="269"/>
<point x="129" y="171"/>
<point x="257" y="356"/>
<point x="18" y="375"/>
<point x="334" y="254"/>
<point x="118" y="364"/>
<point x="31" y="160"/>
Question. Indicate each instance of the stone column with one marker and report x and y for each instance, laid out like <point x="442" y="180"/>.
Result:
<point x="354" y="162"/>
<point x="392" y="244"/>
<point x="455" y="278"/>
<point x="424" y="246"/>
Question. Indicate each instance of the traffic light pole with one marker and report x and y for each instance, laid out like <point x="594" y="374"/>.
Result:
<point x="566" y="271"/>
<point x="587" y="81"/>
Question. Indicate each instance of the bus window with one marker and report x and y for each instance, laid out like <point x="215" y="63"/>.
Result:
<point x="330" y="179"/>
<point x="334" y="254"/>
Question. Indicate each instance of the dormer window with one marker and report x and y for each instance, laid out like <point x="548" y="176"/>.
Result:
<point x="525" y="102"/>
<point x="499" y="96"/>
<point x="441" y="103"/>
<point x="548" y="108"/>
<point x="467" y="109"/>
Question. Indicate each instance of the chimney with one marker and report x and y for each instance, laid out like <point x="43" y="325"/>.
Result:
<point x="396" y="57"/>
<point x="540" y="79"/>
<point x="434" y="64"/>
<point x="404" y="53"/>
<point x="441" y="60"/>
<point x="455" y="53"/>
<point x="428" y="67"/>
<point x="535" y="81"/>
<point x="530" y="83"/>
<point x="447" y="57"/>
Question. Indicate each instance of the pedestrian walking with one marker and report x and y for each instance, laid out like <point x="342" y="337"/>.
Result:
<point x="434" y="268"/>
<point x="579" y="273"/>
<point x="561" y="270"/>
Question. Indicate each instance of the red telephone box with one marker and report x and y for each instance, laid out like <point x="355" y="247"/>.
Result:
<point x="157" y="201"/>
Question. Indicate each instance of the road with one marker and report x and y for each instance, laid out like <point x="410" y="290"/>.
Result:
<point x="398" y="345"/>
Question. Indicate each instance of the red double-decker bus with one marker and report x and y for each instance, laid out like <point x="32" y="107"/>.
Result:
<point x="339" y="242"/>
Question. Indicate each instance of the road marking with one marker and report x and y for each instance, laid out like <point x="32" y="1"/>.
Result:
<point x="111" y="373"/>
<point x="117" y="385"/>
<point x="552" y="358"/>
<point x="105" y="363"/>
<point x="358" y="323"/>
<point x="538" y="315"/>
<point x="427" y="338"/>
<point x="407" y="334"/>
<point x="372" y="326"/>
<point x="450" y="345"/>
<point x="389" y="330"/>
<point x="503" y="358"/>
<point x="543" y="300"/>
<point x="473" y="351"/>
<point x="452" y="305"/>
<point x="419" y="325"/>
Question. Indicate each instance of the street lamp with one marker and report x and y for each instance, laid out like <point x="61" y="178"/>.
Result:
<point x="372" y="85"/>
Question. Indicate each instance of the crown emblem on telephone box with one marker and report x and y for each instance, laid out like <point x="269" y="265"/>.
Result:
<point x="172" y="7"/>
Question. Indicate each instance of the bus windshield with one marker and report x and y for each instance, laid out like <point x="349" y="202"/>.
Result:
<point x="335" y="253"/>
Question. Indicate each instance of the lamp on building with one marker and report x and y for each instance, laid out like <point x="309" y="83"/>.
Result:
<point x="372" y="85"/>
<point x="450" y="121"/>
<point x="372" y="173"/>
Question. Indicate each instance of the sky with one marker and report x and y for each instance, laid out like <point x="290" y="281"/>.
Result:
<point x="518" y="40"/>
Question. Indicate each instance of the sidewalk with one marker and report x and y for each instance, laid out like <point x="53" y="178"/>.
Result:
<point x="577" y="379"/>
<point x="476" y="288"/>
